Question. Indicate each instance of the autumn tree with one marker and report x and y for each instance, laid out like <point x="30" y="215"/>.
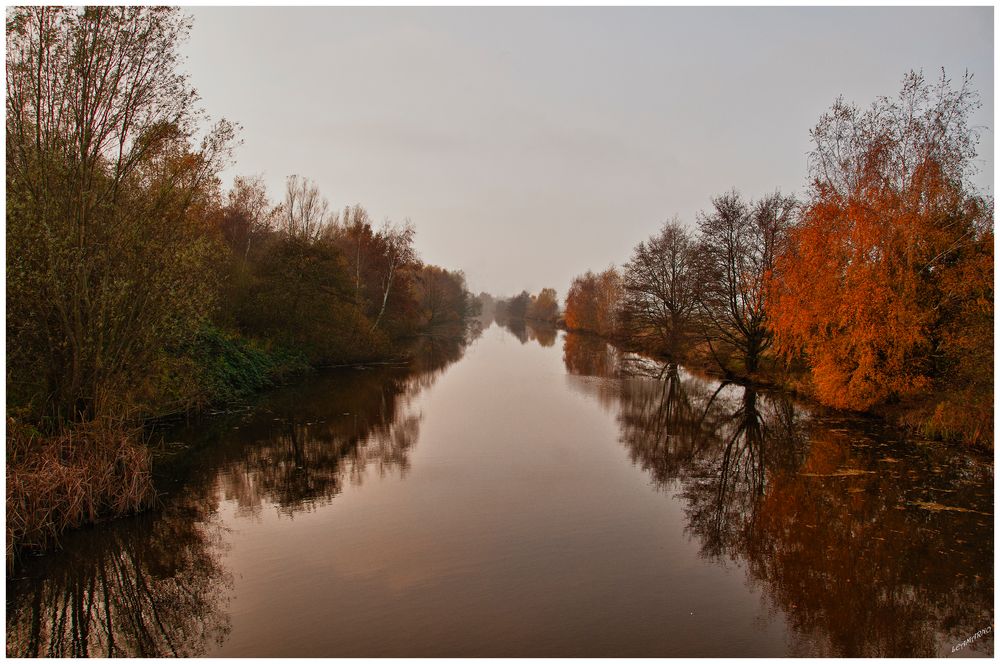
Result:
<point x="659" y="288"/>
<point x="108" y="261"/>
<point x="514" y="308"/>
<point x="594" y="301"/>
<point x="379" y="261"/>
<point x="543" y="307"/>
<point x="738" y="243"/>
<point x="580" y="298"/>
<point x="397" y="252"/>
<point x="248" y="215"/>
<point x="886" y="290"/>
<point x="486" y="305"/>
<point x="300" y="298"/>
<point x="441" y="296"/>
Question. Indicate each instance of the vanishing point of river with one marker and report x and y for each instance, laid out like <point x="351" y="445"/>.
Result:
<point x="533" y="493"/>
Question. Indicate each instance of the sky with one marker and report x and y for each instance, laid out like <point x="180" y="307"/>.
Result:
<point x="528" y="145"/>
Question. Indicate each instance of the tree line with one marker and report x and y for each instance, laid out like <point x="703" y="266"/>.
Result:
<point x="542" y="307"/>
<point x="874" y="292"/>
<point x="137" y="286"/>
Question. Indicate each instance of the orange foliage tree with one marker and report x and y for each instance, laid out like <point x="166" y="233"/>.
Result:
<point x="594" y="301"/>
<point x="886" y="287"/>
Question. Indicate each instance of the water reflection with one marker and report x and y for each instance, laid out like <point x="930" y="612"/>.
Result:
<point x="299" y="447"/>
<point x="871" y="545"/>
<point x="146" y="587"/>
<point x="154" y="585"/>
<point x="526" y="524"/>
<point x="587" y="355"/>
<point x="525" y="331"/>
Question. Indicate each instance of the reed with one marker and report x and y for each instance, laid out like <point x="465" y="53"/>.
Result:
<point x="69" y="479"/>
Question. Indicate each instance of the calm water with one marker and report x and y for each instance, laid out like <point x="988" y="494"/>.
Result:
<point x="534" y="493"/>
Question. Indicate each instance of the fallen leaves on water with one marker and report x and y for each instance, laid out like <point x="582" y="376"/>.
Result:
<point x="846" y="472"/>
<point x="938" y="507"/>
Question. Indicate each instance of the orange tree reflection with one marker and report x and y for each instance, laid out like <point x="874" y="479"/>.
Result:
<point x="869" y="544"/>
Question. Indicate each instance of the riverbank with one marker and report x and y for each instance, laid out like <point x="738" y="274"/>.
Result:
<point x="971" y="428"/>
<point x="79" y="474"/>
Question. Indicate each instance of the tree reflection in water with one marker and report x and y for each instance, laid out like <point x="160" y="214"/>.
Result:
<point x="588" y="355"/>
<point x="154" y="585"/>
<point x="150" y="586"/>
<point x="300" y="446"/>
<point x="838" y="520"/>
<point x="542" y="333"/>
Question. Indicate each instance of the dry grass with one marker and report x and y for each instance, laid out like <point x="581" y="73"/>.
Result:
<point x="67" y="480"/>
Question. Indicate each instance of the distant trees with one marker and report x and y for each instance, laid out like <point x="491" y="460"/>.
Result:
<point x="441" y="296"/>
<point x="715" y="283"/>
<point x="659" y="287"/>
<point x="677" y="285"/>
<point x="738" y="244"/>
<point x="543" y="307"/>
<point x="513" y="308"/>
<point x="593" y="303"/>
<point x="334" y="285"/>
<point x="486" y="305"/>
<point x="886" y="290"/>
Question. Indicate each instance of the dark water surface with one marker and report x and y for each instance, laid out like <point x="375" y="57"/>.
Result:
<point x="534" y="493"/>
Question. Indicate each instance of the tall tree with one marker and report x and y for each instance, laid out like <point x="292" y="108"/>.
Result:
<point x="737" y="247"/>
<point x="396" y="243"/>
<point x="659" y="286"/>
<point x="305" y="212"/>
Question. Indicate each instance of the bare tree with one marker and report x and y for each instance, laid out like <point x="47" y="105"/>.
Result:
<point x="305" y="213"/>
<point x="659" y="285"/>
<point x="738" y="243"/>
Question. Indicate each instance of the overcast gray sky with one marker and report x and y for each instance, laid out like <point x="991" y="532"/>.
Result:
<point x="528" y="145"/>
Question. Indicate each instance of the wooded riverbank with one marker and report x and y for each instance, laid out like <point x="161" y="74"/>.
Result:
<point x="138" y="287"/>
<point x="874" y="294"/>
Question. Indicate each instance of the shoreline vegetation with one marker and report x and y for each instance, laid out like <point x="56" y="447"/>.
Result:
<point x="873" y="295"/>
<point x="139" y="289"/>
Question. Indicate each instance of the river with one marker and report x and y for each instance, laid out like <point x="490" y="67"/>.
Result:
<point x="531" y="493"/>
